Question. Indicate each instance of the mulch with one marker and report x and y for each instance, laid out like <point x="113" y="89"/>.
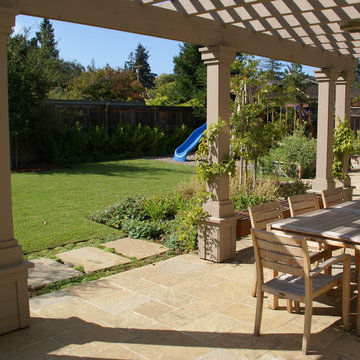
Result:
<point x="43" y="166"/>
<point x="36" y="167"/>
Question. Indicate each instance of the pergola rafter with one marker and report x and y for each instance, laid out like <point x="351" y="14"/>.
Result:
<point x="311" y="23"/>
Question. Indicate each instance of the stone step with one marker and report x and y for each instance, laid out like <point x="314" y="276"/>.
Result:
<point x="47" y="271"/>
<point x="92" y="259"/>
<point x="136" y="248"/>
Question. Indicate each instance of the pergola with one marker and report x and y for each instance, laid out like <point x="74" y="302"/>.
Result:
<point x="319" y="33"/>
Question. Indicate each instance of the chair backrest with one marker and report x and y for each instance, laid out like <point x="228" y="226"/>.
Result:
<point x="284" y="253"/>
<point x="261" y="215"/>
<point x="333" y="197"/>
<point x="303" y="203"/>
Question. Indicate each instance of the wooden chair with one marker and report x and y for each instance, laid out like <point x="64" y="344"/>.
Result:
<point x="303" y="203"/>
<point x="333" y="197"/>
<point x="289" y="255"/>
<point x="261" y="216"/>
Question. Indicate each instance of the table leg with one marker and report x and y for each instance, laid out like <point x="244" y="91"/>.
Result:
<point x="358" y="294"/>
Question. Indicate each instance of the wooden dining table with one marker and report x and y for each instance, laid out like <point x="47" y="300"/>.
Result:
<point x="337" y="226"/>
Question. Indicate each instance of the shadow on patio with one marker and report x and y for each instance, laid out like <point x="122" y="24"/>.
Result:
<point x="181" y="308"/>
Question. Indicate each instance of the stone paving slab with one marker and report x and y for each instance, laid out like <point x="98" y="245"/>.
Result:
<point x="136" y="248"/>
<point x="92" y="259"/>
<point x="47" y="271"/>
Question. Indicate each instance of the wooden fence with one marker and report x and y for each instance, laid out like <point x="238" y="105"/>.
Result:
<point x="110" y="114"/>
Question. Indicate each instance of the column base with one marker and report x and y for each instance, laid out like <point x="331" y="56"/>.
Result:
<point x="217" y="238"/>
<point x="219" y="209"/>
<point x="348" y="190"/>
<point x="14" y="300"/>
<point x="319" y="185"/>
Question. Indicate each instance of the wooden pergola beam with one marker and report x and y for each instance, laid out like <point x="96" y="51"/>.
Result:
<point x="133" y="17"/>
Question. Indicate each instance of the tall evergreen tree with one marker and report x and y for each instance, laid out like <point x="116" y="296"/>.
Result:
<point x="28" y="88"/>
<point x="295" y="82"/>
<point x="295" y="85"/>
<point x="274" y="67"/>
<point x="139" y="63"/>
<point x="190" y="82"/>
<point x="46" y="40"/>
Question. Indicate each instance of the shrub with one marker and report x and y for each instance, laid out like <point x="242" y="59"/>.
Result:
<point x="127" y="208"/>
<point x="139" y="229"/>
<point x="243" y="200"/>
<point x="293" y="188"/>
<point x="294" y="151"/>
<point x="159" y="208"/>
<point x="63" y="139"/>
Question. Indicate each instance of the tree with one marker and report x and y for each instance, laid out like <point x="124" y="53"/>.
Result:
<point x="138" y="62"/>
<point x="46" y="39"/>
<point x="106" y="84"/>
<point x="274" y="67"/>
<point x="295" y="84"/>
<point x="29" y="85"/>
<point x="252" y="137"/>
<point x="163" y="86"/>
<point x="190" y="82"/>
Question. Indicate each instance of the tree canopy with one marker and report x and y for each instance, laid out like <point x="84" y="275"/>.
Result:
<point x="273" y="67"/>
<point x="105" y="84"/>
<point x="139" y="63"/>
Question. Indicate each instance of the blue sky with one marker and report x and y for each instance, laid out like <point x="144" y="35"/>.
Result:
<point x="84" y="43"/>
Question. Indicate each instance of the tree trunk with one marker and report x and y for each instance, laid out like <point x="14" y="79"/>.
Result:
<point x="255" y="173"/>
<point x="241" y="171"/>
<point x="246" y="173"/>
<point x="300" y="115"/>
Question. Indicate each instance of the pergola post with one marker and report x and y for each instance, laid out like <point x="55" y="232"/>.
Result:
<point x="325" y="127"/>
<point x="342" y="110"/>
<point x="217" y="233"/>
<point x="14" y="303"/>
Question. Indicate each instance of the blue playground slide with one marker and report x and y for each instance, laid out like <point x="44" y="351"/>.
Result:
<point x="182" y="151"/>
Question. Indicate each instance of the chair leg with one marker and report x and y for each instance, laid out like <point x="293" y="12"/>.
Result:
<point x="307" y="326"/>
<point x="346" y="295"/>
<point x="273" y="300"/>
<point x="259" y="309"/>
<point x="297" y="307"/>
<point x="289" y="306"/>
<point x="357" y="260"/>
<point x="329" y="250"/>
<point x="253" y="292"/>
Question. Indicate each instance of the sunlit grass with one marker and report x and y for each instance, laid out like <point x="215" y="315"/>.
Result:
<point x="51" y="208"/>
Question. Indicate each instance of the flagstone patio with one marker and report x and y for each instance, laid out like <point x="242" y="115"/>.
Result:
<point x="180" y="308"/>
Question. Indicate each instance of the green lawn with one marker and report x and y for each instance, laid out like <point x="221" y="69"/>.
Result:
<point x="51" y="208"/>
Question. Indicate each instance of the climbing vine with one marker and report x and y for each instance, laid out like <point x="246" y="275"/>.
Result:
<point x="343" y="145"/>
<point x="206" y="170"/>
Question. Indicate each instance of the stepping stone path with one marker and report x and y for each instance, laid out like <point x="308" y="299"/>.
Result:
<point x="47" y="271"/>
<point x="91" y="258"/>
<point x="135" y="248"/>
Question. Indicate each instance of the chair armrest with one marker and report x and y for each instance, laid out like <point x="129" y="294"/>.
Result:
<point x="333" y="260"/>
